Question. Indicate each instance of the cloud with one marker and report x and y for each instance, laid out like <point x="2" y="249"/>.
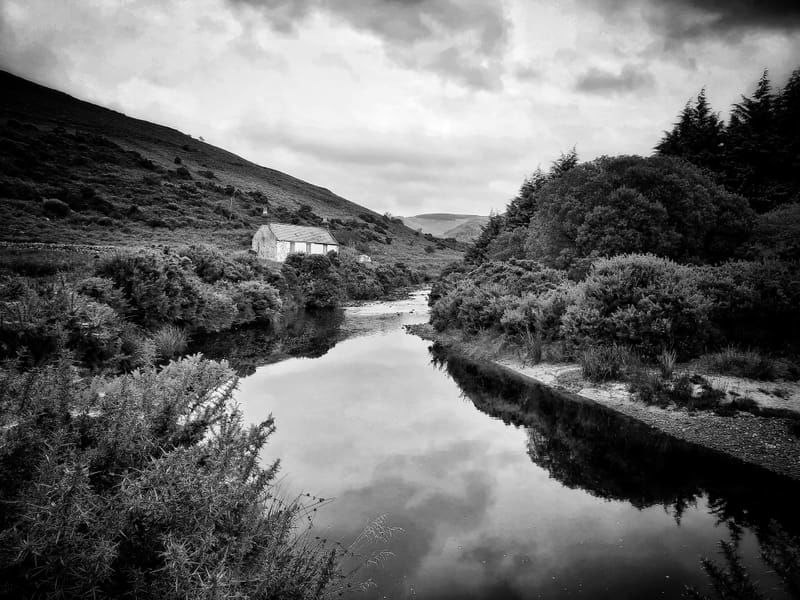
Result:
<point x="461" y="41"/>
<point x="601" y="81"/>
<point x="688" y="20"/>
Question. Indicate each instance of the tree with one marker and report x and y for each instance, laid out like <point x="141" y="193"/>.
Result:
<point x="661" y="205"/>
<point x="751" y="147"/>
<point x="697" y="136"/>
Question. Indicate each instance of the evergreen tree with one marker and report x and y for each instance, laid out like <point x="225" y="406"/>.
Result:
<point x="787" y="128"/>
<point x="697" y="136"/>
<point x="751" y="147"/>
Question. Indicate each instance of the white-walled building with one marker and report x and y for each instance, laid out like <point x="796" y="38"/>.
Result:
<point x="276" y="241"/>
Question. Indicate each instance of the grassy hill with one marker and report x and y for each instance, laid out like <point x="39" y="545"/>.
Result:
<point x="77" y="173"/>
<point x="463" y="228"/>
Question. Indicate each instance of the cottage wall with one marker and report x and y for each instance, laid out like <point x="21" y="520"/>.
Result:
<point x="264" y="244"/>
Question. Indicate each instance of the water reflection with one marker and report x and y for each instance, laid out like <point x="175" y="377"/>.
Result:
<point x="585" y="445"/>
<point x="307" y="333"/>
<point x="502" y="492"/>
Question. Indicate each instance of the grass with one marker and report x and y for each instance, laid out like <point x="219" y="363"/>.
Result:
<point x="170" y="342"/>
<point x="604" y="363"/>
<point x="666" y="363"/>
<point x="750" y="364"/>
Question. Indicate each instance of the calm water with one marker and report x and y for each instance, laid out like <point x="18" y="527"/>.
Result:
<point x="502" y="490"/>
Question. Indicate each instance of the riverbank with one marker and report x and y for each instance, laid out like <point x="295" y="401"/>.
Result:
<point x="763" y="441"/>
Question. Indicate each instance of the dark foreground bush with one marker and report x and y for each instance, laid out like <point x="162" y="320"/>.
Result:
<point x="145" y="486"/>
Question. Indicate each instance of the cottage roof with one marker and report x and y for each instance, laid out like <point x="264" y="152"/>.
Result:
<point x="300" y="233"/>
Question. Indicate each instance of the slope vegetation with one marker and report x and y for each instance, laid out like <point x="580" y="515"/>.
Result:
<point x="73" y="172"/>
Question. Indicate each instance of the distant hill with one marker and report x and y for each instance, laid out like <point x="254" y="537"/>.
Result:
<point x="464" y="228"/>
<point x="75" y="172"/>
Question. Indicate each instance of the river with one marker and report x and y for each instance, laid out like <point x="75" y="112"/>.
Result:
<point x="501" y="489"/>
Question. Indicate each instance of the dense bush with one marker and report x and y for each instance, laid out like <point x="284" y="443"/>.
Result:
<point x="37" y="323"/>
<point x="495" y="295"/>
<point x="315" y="279"/>
<point x="753" y="303"/>
<point x="55" y="207"/>
<point x="145" y="486"/>
<point x="641" y="301"/>
<point x="158" y="286"/>
<point x="628" y="204"/>
<point x="256" y="302"/>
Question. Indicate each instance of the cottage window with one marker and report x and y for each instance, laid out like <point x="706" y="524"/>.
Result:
<point x="308" y="247"/>
<point x="324" y="248"/>
<point x="291" y="247"/>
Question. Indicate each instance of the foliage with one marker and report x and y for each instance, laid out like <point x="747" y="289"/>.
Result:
<point x="641" y="301"/>
<point x="776" y="235"/>
<point x="493" y="295"/>
<point x="753" y="303"/>
<point x="749" y="363"/>
<point x="169" y="342"/>
<point x="55" y="207"/>
<point x="316" y="279"/>
<point x="37" y="323"/>
<point x="629" y="204"/>
<point x="603" y="363"/>
<point x="212" y="265"/>
<point x="256" y="302"/>
<point x="756" y="153"/>
<point x="147" y="485"/>
<point x="159" y="287"/>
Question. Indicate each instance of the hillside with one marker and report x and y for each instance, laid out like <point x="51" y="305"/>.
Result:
<point x="463" y="228"/>
<point x="75" y="172"/>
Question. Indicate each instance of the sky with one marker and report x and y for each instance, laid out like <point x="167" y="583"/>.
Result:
<point x="406" y="106"/>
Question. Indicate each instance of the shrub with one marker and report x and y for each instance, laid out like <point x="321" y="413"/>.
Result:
<point x="216" y="310"/>
<point x="153" y="488"/>
<point x="747" y="363"/>
<point x="316" y="280"/>
<point x="103" y="290"/>
<point x="55" y="207"/>
<point x="256" y="302"/>
<point x="640" y="301"/>
<point x="666" y="363"/>
<point x="603" y="363"/>
<point x="170" y="342"/>
<point x="158" y="287"/>
<point x="37" y="324"/>
<point x="136" y="349"/>
<point x="753" y="303"/>
<point x="213" y="265"/>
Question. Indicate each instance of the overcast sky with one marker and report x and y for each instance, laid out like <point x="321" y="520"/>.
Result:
<point x="407" y="106"/>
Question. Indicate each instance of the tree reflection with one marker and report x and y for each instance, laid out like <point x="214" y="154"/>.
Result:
<point x="585" y="445"/>
<point x="307" y="333"/>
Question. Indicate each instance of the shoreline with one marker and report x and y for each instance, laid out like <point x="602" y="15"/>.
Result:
<point x="762" y="441"/>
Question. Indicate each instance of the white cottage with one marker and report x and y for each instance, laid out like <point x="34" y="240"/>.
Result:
<point x="276" y="241"/>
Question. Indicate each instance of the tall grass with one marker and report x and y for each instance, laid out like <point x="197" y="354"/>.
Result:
<point x="170" y="342"/>
<point x="604" y="363"/>
<point x="750" y="364"/>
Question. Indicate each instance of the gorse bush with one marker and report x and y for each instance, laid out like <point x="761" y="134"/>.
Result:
<point x="147" y="485"/>
<point x="158" y="286"/>
<point x="640" y="301"/>
<point x="39" y="322"/>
